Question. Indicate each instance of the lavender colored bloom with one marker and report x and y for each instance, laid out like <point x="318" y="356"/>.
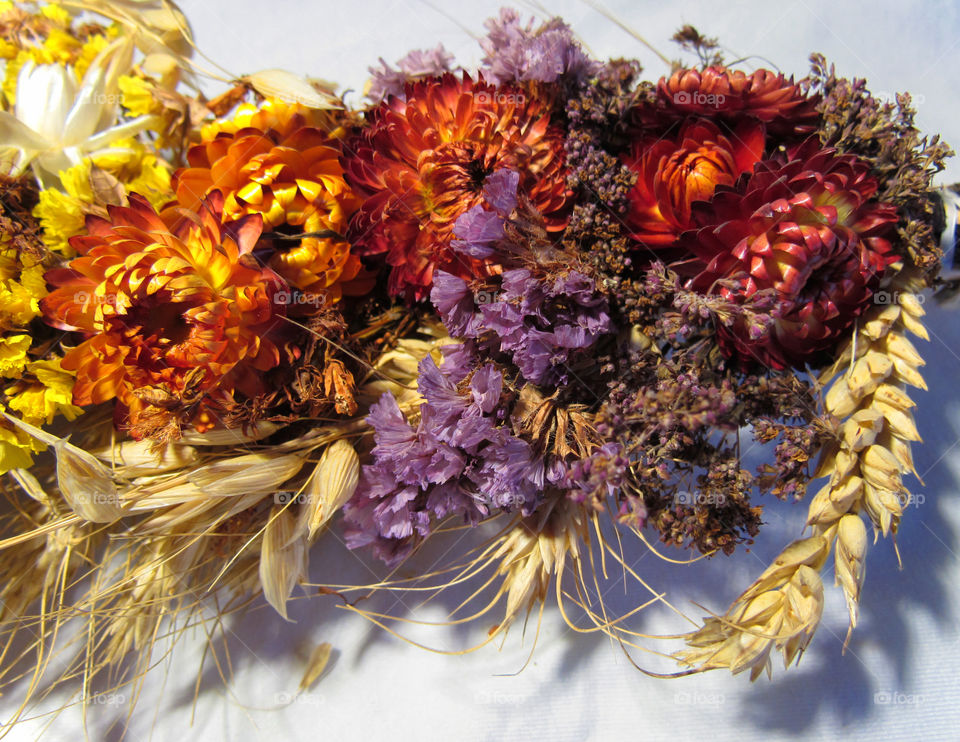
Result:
<point x="518" y="53"/>
<point x="459" y="460"/>
<point x="386" y="81"/>
<point x="538" y="324"/>
<point x="480" y="229"/>
<point x="455" y="302"/>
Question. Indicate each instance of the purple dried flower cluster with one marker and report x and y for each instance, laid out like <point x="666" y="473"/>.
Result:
<point x="519" y="53"/>
<point x="692" y="314"/>
<point x="420" y="63"/>
<point x="459" y="460"/>
<point x="481" y="232"/>
<point x="538" y="319"/>
<point x="539" y="325"/>
<point x="686" y="477"/>
<point x="599" y="475"/>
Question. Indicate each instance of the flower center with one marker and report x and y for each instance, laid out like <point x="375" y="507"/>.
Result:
<point x="168" y="323"/>
<point x="477" y="172"/>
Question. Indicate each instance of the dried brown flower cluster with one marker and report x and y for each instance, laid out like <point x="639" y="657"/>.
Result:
<point x="904" y="161"/>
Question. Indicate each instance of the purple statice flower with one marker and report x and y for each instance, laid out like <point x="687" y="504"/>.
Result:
<point x="459" y="460"/>
<point x="386" y="81"/>
<point x="480" y="230"/>
<point x="539" y="324"/>
<point x="518" y="53"/>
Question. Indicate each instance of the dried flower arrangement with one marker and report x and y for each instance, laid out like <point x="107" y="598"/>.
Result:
<point x="547" y="294"/>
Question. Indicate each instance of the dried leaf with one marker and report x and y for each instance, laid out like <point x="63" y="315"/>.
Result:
<point x="107" y="189"/>
<point x="291" y="88"/>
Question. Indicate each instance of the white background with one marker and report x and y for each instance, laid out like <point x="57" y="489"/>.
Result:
<point x="582" y="687"/>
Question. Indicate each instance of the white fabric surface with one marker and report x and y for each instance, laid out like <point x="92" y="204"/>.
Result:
<point x="897" y="681"/>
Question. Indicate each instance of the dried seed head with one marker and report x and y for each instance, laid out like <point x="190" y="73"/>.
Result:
<point x="131" y="459"/>
<point x="86" y="484"/>
<point x="316" y="665"/>
<point x="229" y="436"/>
<point x="850" y="566"/>
<point x="283" y="558"/>
<point x="332" y="483"/>
<point x="291" y="88"/>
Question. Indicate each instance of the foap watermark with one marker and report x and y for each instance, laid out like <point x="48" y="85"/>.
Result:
<point x="103" y="99"/>
<point x="512" y="500"/>
<point x="699" y="699"/>
<point x="286" y="498"/>
<point x="696" y="98"/>
<point x="500" y="698"/>
<point x="108" y="699"/>
<point x="498" y="96"/>
<point x="301" y="298"/>
<point x="97" y="498"/>
<point x="896" y="698"/>
<point x="894" y="297"/>
<point x="85" y="298"/>
<point x="484" y="297"/>
<point x="684" y="497"/>
<point x="303" y="699"/>
<point x="916" y="499"/>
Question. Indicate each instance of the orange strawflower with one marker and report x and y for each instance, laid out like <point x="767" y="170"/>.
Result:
<point x="178" y="315"/>
<point x="275" y="160"/>
<point x="675" y="172"/>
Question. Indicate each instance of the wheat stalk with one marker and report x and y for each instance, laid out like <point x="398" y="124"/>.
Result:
<point x="865" y="463"/>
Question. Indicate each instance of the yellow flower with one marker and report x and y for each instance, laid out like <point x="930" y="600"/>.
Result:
<point x="13" y="355"/>
<point x="11" y="72"/>
<point x="19" y="303"/>
<point x="56" y="13"/>
<point x="138" y="96"/>
<point x="60" y="47"/>
<point x="138" y="168"/>
<point x="14" y="451"/>
<point x="90" y="50"/>
<point x="62" y="214"/>
<point x="47" y="394"/>
<point x="8" y="50"/>
<point x="21" y="287"/>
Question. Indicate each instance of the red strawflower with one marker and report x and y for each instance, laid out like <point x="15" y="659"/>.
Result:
<point x="422" y="163"/>
<point x="806" y="229"/>
<point x="732" y="94"/>
<point x="674" y="172"/>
